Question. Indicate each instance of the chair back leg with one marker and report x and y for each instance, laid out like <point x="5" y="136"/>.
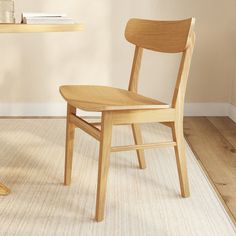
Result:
<point x="70" y="132"/>
<point x="178" y="137"/>
<point x="138" y="140"/>
<point x="103" y="165"/>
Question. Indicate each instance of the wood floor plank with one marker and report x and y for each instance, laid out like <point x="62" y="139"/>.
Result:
<point x="226" y="127"/>
<point x="216" y="154"/>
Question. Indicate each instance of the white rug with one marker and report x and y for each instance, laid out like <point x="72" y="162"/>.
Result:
<point x="139" y="202"/>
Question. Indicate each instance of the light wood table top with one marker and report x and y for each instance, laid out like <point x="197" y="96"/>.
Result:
<point x="39" y="28"/>
<point x="35" y="28"/>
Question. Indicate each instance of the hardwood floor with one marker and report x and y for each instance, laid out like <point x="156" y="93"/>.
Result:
<point x="213" y="140"/>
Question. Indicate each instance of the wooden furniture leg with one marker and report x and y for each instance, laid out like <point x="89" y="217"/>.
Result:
<point x="103" y="165"/>
<point x="70" y="132"/>
<point x="128" y="107"/>
<point x="138" y="140"/>
<point x="178" y="137"/>
<point x="4" y="190"/>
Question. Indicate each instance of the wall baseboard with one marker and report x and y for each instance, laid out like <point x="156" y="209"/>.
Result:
<point x="232" y="112"/>
<point x="38" y="109"/>
<point x="206" y="109"/>
<point x="32" y="109"/>
<point x="59" y="109"/>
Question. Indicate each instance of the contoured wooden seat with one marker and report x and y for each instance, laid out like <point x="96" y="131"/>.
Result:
<point x="102" y="98"/>
<point x="122" y="107"/>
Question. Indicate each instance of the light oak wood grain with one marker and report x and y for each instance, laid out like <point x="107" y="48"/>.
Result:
<point x="70" y="133"/>
<point x="138" y="141"/>
<point x="133" y="82"/>
<point x="142" y="146"/>
<point x="178" y="137"/>
<point x="4" y="190"/>
<point x="82" y="124"/>
<point x="133" y="87"/>
<point x="226" y="127"/>
<point x="162" y="36"/>
<point x="102" y="98"/>
<point x="144" y="116"/>
<point x="36" y="28"/>
<point x="119" y="106"/>
<point x="103" y="166"/>
<point x="215" y="153"/>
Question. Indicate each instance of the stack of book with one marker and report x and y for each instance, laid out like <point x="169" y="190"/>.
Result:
<point x="45" y="18"/>
<point x="7" y="11"/>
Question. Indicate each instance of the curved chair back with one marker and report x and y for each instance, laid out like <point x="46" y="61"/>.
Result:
<point x="162" y="36"/>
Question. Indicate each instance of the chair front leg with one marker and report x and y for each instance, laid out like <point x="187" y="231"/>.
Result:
<point x="103" y="165"/>
<point x="70" y="132"/>
<point x="178" y="136"/>
<point x="138" y="140"/>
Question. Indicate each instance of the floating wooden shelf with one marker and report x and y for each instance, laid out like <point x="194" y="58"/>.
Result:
<point x="33" y="28"/>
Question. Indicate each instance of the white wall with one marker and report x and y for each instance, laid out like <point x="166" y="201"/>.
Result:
<point x="33" y="66"/>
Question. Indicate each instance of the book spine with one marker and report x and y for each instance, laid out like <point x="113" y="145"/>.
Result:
<point x="47" y="20"/>
<point x="40" y="14"/>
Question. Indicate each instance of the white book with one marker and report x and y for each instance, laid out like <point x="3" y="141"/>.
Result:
<point x="48" y="20"/>
<point x="42" y="14"/>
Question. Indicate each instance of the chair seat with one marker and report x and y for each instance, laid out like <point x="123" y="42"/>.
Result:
<point x="102" y="98"/>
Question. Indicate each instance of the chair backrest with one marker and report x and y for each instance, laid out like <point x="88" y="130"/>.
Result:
<point x="162" y="36"/>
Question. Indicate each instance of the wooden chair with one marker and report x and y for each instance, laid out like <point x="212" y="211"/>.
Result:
<point x="127" y="107"/>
